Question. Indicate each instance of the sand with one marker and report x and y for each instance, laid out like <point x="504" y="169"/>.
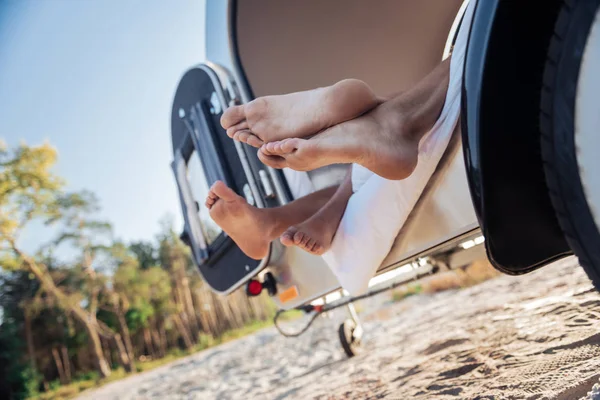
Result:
<point x="531" y="337"/>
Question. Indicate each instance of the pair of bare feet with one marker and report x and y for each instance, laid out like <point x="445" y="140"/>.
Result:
<point x="309" y="222"/>
<point x="343" y="123"/>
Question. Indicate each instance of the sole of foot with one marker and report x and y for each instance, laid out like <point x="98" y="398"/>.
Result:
<point x="375" y="141"/>
<point x="245" y="224"/>
<point x="299" y="114"/>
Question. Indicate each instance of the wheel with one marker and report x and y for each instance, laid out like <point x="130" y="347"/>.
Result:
<point x="350" y="344"/>
<point x="570" y="125"/>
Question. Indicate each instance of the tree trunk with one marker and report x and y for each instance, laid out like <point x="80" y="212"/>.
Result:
<point x="124" y="358"/>
<point x="156" y="338"/>
<point x="66" y="363"/>
<point x="106" y="348"/>
<point x="199" y="305"/>
<point x="115" y="338"/>
<point x="63" y="303"/>
<point x="189" y="306"/>
<point x="30" y="344"/>
<point x="163" y="339"/>
<point x="125" y="332"/>
<point x="140" y="344"/>
<point x="148" y="342"/>
<point x="59" y="366"/>
<point x="185" y="335"/>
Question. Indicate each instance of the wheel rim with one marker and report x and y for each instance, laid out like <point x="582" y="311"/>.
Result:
<point x="587" y="120"/>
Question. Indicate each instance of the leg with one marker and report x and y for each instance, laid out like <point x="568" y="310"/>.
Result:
<point x="298" y="114"/>
<point x="251" y="228"/>
<point x="394" y="128"/>
<point x="316" y="233"/>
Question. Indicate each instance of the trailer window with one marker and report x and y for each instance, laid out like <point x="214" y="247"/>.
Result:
<point x="199" y="186"/>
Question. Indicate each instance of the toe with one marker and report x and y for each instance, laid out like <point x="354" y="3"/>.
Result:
<point x="255" y="141"/>
<point x="265" y="149"/>
<point x="283" y="147"/>
<point x="318" y="249"/>
<point x="211" y="199"/>
<point x="310" y="243"/>
<point x="221" y="190"/>
<point x="304" y="241"/>
<point x="272" y="161"/>
<point x="271" y="148"/>
<point x="287" y="238"/>
<point x="246" y="136"/>
<point x="209" y="203"/>
<point x="233" y="115"/>
<point x="242" y="136"/>
<point x="237" y="127"/>
<point x="298" y="238"/>
<point x="290" y="145"/>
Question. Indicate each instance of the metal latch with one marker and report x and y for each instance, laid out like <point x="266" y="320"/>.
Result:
<point x="266" y="183"/>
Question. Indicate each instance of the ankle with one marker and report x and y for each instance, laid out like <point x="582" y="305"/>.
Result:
<point x="274" y="221"/>
<point x="266" y="222"/>
<point x="413" y="119"/>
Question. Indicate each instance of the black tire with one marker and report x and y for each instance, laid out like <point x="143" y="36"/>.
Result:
<point x="346" y="334"/>
<point x="557" y="122"/>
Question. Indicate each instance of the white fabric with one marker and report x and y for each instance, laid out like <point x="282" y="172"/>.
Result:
<point x="379" y="207"/>
<point x="299" y="183"/>
<point x="360" y="176"/>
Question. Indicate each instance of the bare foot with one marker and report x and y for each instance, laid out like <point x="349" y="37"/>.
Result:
<point x="299" y="114"/>
<point x="314" y="235"/>
<point x="385" y="140"/>
<point x="248" y="226"/>
<point x="373" y="140"/>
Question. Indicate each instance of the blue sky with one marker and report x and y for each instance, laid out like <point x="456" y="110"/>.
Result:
<point x="96" y="79"/>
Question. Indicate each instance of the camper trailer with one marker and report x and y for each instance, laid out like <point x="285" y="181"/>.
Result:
<point x="519" y="182"/>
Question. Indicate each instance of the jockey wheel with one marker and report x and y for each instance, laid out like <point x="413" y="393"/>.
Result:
<point x="350" y="333"/>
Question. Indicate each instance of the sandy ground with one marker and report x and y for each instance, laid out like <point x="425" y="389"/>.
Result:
<point x="530" y="337"/>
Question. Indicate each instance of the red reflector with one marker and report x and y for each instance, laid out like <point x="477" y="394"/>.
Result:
<point x="254" y="287"/>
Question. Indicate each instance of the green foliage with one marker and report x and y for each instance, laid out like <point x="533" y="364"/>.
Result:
<point x="145" y="291"/>
<point x="146" y="254"/>
<point x="205" y="341"/>
<point x="18" y="380"/>
<point x="407" y="291"/>
<point x="137" y="318"/>
<point x="87" y="376"/>
<point x="52" y="310"/>
<point x="27" y="186"/>
<point x="28" y="190"/>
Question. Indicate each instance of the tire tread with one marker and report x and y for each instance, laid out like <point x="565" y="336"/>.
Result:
<point x="559" y="179"/>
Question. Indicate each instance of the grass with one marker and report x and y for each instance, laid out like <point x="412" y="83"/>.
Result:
<point x="73" y="389"/>
<point x="91" y="380"/>
<point x="475" y="273"/>
<point x="407" y="291"/>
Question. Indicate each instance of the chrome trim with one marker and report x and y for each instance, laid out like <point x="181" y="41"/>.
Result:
<point x="217" y="84"/>
<point x="248" y="194"/>
<point x="266" y="183"/>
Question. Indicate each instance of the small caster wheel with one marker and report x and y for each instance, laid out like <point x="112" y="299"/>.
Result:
<point x="349" y="340"/>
